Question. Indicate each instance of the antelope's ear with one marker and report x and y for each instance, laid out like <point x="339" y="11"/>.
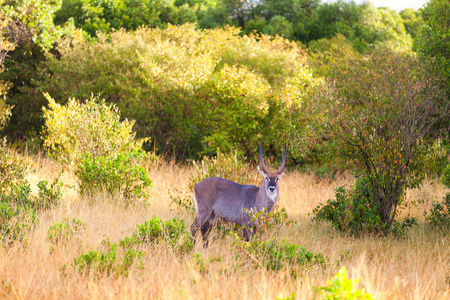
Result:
<point x="260" y="171"/>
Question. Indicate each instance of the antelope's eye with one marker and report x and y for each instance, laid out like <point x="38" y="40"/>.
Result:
<point x="276" y="179"/>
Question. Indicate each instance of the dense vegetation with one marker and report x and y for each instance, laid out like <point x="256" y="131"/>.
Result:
<point x="348" y="86"/>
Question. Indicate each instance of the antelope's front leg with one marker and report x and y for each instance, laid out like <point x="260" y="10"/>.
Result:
<point x="248" y="231"/>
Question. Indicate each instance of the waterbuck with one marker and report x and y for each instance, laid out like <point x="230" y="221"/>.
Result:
<point x="218" y="198"/>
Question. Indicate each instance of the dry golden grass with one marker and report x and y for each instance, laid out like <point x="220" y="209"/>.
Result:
<point x="388" y="268"/>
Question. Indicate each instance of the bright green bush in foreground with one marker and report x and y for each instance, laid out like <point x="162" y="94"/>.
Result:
<point x="340" y="287"/>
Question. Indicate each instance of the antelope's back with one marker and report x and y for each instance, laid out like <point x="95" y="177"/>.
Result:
<point x="226" y="198"/>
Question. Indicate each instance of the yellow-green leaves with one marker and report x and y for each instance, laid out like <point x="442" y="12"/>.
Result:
<point x="75" y="129"/>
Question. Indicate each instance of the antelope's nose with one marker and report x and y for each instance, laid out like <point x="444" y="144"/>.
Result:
<point x="271" y="188"/>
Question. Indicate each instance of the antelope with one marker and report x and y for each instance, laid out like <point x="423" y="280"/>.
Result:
<point x="219" y="198"/>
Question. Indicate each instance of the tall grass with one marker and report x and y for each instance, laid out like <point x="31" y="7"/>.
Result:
<point x="388" y="268"/>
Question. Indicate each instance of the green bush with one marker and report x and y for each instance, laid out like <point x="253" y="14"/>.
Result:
<point x="354" y="213"/>
<point x="176" y="84"/>
<point x="340" y="287"/>
<point x="30" y="25"/>
<point x="113" y="260"/>
<point x="119" y="173"/>
<point x="75" y="130"/>
<point x="359" y="111"/>
<point x="105" y="15"/>
<point x="172" y="232"/>
<point x="18" y="206"/>
<point x="439" y="214"/>
<point x="65" y="231"/>
<point x="275" y="255"/>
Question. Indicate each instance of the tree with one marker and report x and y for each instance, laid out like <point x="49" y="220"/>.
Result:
<point x="30" y="26"/>
<point x="380" y="113"/>
<point x="5" y="46"/>
<point x="433" y="40"/>
<point x="411" y="21"/>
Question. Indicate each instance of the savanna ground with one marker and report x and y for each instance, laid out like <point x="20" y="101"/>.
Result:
<point x="417" y="267"/>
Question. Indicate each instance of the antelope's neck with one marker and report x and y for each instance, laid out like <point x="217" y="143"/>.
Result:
<point x="264" y="199"/>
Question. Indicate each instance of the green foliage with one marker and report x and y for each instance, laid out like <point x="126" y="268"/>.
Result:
<point x="379" y="114"/>
<point x="432" y="40"/>
<point x="175" y="84"/>
<point x="364" y="25"/>
<point x="276" y="219"/>
<point x="340" y="287"/>
<point x="30" y="25"/>
<point x="412" y="21"/>
<point x="118" y="173"/>
<point x="5" y="46"/>
<point x="173" y="232"/>
<point x="353" y="212"/>
<point x="12" y="169"/>
<point x="65" y="231"/>
<point x="113" y="260"/>
<point x="105" y="15"/>
<point x="327" y="53"/>
<point x="75" y="130"/>
<point x="279" y="25"/>
<point x="18" y="206"/>
<point x="439" y="214"/>
<point x="275" y="256"/>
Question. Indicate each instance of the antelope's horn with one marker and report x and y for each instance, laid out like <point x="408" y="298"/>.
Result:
<point x="283" y="162"/>
<point x="261" y="160"/>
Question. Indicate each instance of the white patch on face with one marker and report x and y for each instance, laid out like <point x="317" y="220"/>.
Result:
<point x="195" y="203"/>
<point x="272" y="195"/>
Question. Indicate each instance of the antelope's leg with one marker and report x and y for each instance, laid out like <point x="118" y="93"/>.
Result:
<point x="206" y="230"/>
<point x="195" y="227"/>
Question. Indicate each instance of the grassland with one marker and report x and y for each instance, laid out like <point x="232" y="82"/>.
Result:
<point x="388" y="268"/>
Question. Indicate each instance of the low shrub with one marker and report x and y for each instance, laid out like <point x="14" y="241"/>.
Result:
<point x="172" y="232"/>
<point x="439" y="214"/>
<point x="340" y="287"/>
<point x="274" y="255"/>
<point x="115" y="259"/>
<point x="18" y="206"/>
<point x="120" y="173"/>
<point x="75" y="130"/>
<point x="63" y="232"/>
<point x="353" y="212"/>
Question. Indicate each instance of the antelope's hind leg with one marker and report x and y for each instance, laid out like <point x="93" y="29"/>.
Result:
<point x="195" y="227"/>
<point x="206" y="229"/>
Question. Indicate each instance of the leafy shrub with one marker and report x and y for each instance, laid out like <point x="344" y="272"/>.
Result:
<point x="278" y="218"/>
<point x="354" y="213"/>
<point x="439" y="214"/>
<point x="118" y="173"/>
<point x="114" y="260"/>
<point x="12" y="169"/>
<point x="340" y="287"/>
<point x="30" y="25"/>
<point x="359" y="112"/>
<point x="172" y="232"/>
<point x="275" y="255"/>
<point x="76" y="129"/>
<point x="63" y="232"/>
<point x="18" y="206"/>
<point x="105" y="15"/>
<point x="175" y="83"/>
